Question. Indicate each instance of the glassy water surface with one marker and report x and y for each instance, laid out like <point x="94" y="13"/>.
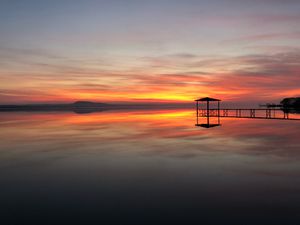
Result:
<point x="147" y="167"/>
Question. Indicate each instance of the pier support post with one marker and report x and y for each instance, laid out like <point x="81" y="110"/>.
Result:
<point x="197" y="108"/>
<point x="207" y="111"/>
<point x="286" y="114"/>
<point x="252" y="113"/>
<point x="268" y="113"/>
<point x="225" y="112"/>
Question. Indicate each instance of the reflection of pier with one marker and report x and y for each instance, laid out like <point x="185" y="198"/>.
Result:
<point x="249" y="113"/>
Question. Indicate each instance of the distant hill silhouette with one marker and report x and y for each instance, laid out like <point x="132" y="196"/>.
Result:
<point x="78" y="107"/>
<point x="86" y="107"/>
<point x="87" y="104"/>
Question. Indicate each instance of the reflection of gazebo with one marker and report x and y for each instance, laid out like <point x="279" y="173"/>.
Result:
<point x="207" y="100"/>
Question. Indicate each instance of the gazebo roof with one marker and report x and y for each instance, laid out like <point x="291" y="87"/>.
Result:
<point x="207" y="99"/>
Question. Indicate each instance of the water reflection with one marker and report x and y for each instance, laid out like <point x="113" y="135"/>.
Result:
<point x="207" y="123"/>
<point x="146" y="167"/>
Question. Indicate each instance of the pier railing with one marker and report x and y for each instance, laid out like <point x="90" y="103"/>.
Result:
<point x="255" y="113"/>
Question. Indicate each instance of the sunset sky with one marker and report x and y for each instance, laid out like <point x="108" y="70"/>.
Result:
<point x="149" y="51"/>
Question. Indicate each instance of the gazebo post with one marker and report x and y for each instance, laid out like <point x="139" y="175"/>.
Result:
<point x="197" y="108"/>
<point x="218" y="108"/>
<point x="219" y="112"/>
<point x="197" y="113"/>
<point x="207" y="111"/>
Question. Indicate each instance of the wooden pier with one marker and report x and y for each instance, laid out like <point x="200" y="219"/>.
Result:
<point x="249" y="113"/>
<point x="246" y="113"/>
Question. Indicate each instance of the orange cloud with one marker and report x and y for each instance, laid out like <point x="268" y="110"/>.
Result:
<point x="252" y="77"/>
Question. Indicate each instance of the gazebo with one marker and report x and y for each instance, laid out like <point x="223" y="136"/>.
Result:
<point x="208" y="100"/>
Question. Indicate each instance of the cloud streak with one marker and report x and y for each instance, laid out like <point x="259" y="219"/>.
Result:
<point x="177" y="77"/>
<point x="158" y="51"/>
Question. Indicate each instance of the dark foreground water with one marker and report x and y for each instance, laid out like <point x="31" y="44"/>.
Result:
<point x="147" y="167"/>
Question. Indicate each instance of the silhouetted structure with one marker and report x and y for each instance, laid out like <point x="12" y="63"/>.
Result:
<point x="208" y="100"/>
<point x="291" y="103"/>
<point x="250" y="113"/>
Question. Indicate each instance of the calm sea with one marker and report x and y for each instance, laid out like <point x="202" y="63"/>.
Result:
<point x="147" y="167"/>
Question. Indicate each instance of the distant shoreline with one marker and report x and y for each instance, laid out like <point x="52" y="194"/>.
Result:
<point x="85" y="107"/>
